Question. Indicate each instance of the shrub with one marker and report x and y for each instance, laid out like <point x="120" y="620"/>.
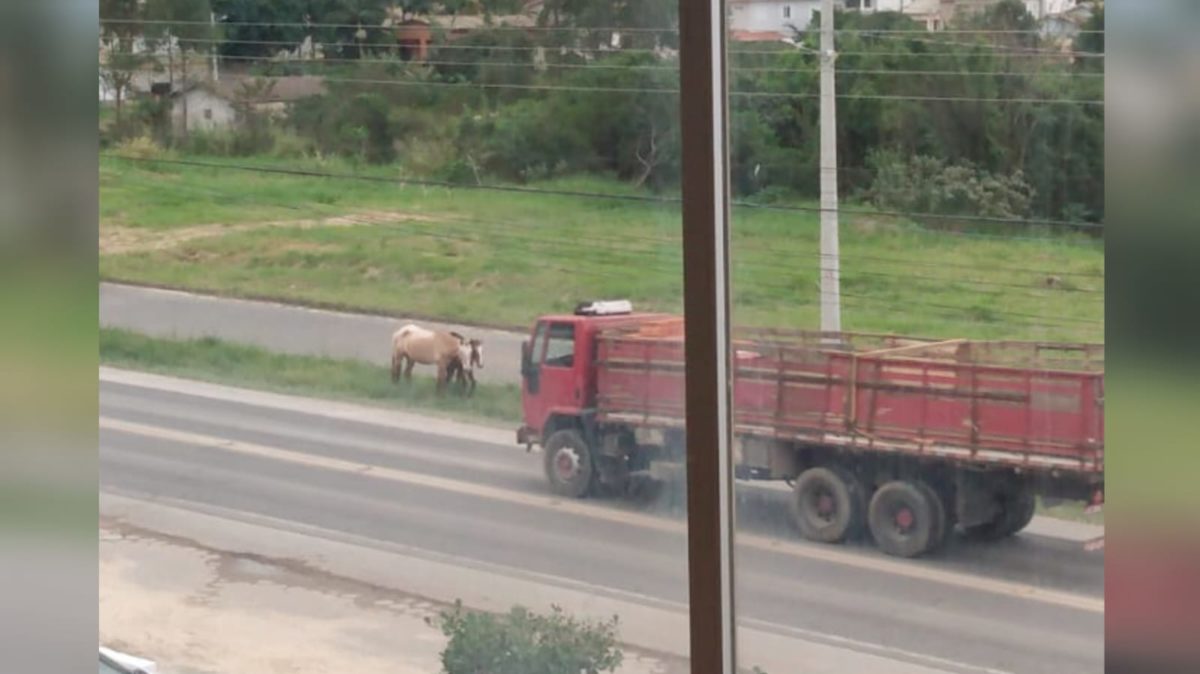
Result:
<point x="523" y="642"/>
<point x="141" y="147"/>
<point x="347" y="123"/>
<point x="929" y="185"/>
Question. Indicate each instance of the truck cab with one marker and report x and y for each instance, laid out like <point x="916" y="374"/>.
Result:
<point x="558" y="373"/>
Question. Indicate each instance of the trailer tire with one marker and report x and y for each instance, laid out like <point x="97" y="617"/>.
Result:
<point x="1016" y="512"/>
<point x="826" y="507"/>
<point x="942" y="524"/>
<point x="568" y="463"/>
<point x="904" y="518"/>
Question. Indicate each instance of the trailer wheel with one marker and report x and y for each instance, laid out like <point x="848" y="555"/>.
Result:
<point x="826" y="504"/>
<point x="904" y="519"/>
<point x="1016" y="512"/>
<point x="941" y="521"/>
<point x="568" y="464"/>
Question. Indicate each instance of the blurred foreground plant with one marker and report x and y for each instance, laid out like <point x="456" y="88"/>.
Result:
<point x="523" y="642"/>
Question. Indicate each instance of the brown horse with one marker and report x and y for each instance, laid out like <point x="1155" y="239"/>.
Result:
<point x="414" y="344"/>
<point x="470" y="357"/>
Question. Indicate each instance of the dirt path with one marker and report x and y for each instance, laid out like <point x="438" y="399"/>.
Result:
<point x="200" y="611"/>
<point x="123" y="240"/>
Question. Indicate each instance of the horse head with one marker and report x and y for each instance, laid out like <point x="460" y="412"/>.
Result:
<point x="476" y="353"/>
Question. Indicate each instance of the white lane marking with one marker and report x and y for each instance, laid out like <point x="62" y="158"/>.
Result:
<point x="427" y="422"/>
<point x="502" y="440"/>
<point x="118" y="401"/>
<point x="833" y="555"/>
<point x="590" y="589"/>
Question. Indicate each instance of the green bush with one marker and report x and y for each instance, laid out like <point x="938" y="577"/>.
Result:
<point x="348" y="124"/>
<point x="929" y="185"/>
<point x="523" y="642"/>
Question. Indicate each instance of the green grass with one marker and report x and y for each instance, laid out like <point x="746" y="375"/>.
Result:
<point x="1071" y="510"/>
<point x="502" y="258"/>
<point x="223" y="362"/>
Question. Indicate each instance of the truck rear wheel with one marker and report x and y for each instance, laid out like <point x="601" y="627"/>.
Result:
<point x="568" y="463"/>
<point x="827" y="504"/>
<point x="905" y="518"/>
<point x="1016" y="511"/>
<point x="942" y="522"/>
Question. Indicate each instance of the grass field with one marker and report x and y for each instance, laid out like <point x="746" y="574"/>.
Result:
<point x="214" y="360"/>
<point x="502" y="258"/>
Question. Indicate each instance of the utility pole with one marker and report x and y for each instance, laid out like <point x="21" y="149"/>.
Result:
<point x="212" y="45"/>
<point x="831" y="310"/>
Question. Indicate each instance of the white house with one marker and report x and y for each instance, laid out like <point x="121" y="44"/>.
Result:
<point x="770" y="18"/>
<point x="205" y="109"/>
<point x="210" y="106"/>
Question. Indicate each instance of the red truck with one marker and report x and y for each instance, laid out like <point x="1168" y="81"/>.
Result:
<point x="906" y="437"/>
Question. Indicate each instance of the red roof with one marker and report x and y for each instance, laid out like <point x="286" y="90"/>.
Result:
<point x="756" y="35"/>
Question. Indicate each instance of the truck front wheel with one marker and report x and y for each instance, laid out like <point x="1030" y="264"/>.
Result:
<point x="568" y="463"/>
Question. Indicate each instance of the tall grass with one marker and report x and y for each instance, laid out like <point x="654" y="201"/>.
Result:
<point x="215" y="360"/>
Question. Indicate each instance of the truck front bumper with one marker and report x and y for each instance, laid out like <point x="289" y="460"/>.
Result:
<point x="526" y="436"/>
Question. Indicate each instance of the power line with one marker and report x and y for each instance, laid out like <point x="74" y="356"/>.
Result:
<point x="675" y="92"/>
<point x="425" y="182"/>
<point x="734" y="51"/>
<point x="327" y="60"/>
<point x="998" y="47"/>
<point x="622" y="29"/>
<point x="1049" y="320"/>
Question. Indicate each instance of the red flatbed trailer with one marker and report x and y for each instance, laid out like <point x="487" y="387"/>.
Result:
<point x="909" y="437"/>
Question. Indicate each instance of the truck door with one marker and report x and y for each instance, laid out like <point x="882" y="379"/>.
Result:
<point x="549" y="379"/>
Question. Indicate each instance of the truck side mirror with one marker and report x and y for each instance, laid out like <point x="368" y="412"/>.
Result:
<point x="528" y="370"/>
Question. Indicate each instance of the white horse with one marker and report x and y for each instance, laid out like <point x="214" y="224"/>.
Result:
<point x="413" y="344"/>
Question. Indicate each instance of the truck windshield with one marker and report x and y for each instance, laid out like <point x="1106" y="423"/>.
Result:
<point x="560" y="345"/>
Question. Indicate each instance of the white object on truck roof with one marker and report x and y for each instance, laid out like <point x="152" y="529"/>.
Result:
<point x="604" y="308"/>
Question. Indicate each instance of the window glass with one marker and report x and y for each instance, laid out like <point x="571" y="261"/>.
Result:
<point x="479" y="169"/>
<point x="560" y="345"/>
<point x="918" y="375"/>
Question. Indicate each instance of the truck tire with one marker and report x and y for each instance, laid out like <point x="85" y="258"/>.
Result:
<point x="826" y="505"/>
<point x="568" y="463"/>
<point x="904" y="519"/>
<point x="940" y="516"/>
<point x="1016" y="512"/>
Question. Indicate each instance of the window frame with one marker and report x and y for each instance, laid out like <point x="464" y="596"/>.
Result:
<point x="704" y="113"/>
<point x="550" y="326"/>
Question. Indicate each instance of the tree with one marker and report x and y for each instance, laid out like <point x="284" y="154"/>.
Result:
<point x="256" y="28"/>
<point x="1091" y="41"/>
<point x="185" y="25"/>
<point x="359" y="22"/>
<point x="120" y="26"/>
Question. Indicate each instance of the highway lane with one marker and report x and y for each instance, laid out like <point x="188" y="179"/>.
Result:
<point x="1030" y="604"/>
<point x="286" y="328"/>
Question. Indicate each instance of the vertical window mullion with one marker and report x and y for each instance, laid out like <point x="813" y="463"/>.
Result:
<point x="704" y="114"/>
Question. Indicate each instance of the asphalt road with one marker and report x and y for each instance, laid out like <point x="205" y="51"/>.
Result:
<point x="287" y="328"/>
<point x="1029" y="604"/>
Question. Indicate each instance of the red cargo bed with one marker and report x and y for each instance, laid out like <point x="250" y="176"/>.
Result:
<point x="1013" y="403"/>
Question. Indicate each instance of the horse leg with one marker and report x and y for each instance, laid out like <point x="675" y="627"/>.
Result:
<point x="471" y="378"/>
<point x="461" y="379"/>
<point x="441" y="378"/>
<point x="397" y="359"/>
<point x="408" y="369"/>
